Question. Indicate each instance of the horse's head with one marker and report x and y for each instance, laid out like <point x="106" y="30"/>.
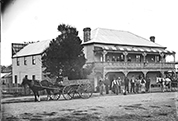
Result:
<point x="25" y="81"/>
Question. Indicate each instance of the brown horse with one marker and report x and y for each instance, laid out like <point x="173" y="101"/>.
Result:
<point x="37" y="86"/>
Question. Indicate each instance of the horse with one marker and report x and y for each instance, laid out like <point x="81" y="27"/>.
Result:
<point x="160" y="82"/>
<point x="37" y="86"/>
<point x="165" y="83"/>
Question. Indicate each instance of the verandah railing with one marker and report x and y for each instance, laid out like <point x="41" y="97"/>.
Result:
<point x="135" y="65"/>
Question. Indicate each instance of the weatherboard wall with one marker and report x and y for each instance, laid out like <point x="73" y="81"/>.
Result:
<point x="29" y="69"/>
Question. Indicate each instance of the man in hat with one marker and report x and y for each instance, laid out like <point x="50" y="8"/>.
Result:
<point x="101" y="86"/>
<point x="132" y="83"/>
<point x="126" y="84"/>
<point x="107" y="84"/>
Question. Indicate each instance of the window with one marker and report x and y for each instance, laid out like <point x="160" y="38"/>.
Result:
<point x="15" y="79"/>
<point x="108" y="58"/>
<point x="18" y="62"/>
<point x="25" y="61"/>
<point x="157" y="59"/>
<point x="33" y="60"/>
<point x="113" y="58"/>
<point x="26" y="76"/>
<point x="129" y="59"/>
<point x="33" y="77"/>
<point x="101" y="58"/>
<point x="138" y="58"/>
<point x="118" y="58"/>
<point x="122" y="57"/>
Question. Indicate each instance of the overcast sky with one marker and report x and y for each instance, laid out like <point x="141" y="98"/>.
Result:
<point x="33" y="20"/>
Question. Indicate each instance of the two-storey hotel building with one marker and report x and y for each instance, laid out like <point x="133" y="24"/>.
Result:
<point x="115" y="53"/>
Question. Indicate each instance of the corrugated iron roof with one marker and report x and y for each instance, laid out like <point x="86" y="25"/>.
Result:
<point x="99" y="35"/>
<point x="108" y="36"/>
<point x="6" y="75"/>
<point x="33" y="48"/>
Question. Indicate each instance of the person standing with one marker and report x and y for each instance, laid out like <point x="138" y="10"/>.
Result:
<point x="137" y="85"/>
<point x="143" y="85"/>
<point x="107" y="84"/>
<point x="101" y="86"/>
<point x="132" y="82"/>
<point x="119" y="84"/>
<point x="126" y="84"/>
<point x="147" y="84"/>
<point x="115" y="86"/>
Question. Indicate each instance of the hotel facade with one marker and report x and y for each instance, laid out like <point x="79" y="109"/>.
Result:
<point x="115" y="53"/>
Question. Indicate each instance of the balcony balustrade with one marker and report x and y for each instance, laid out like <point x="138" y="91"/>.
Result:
<point x="134" y="65"/>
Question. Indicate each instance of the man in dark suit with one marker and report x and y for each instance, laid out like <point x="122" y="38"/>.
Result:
<point x="126" y="84"/>
<point x="132" y="83"/>
<point x="107" y="83"/>
<point x="147" y="84"/>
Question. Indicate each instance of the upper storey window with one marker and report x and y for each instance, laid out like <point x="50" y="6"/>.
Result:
<point x="138" y="58"/>
<point x="18" y="62"/>
<point x="25" y="61"/>
<point x="157" y="59"/>
<point x="33" y="60"/>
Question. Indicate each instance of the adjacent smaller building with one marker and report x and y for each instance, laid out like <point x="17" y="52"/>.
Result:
<point x="28" y="62"/>
<point x="6" y="79"/>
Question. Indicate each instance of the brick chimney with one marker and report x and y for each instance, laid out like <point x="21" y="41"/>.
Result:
<point x="152" y="38"/>
<point x="86" y="34"/>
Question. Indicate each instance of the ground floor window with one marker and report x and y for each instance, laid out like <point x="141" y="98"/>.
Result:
<point x="33" y="77"/>
<point x="26" y="76"/>
<point x="15" y="79"/>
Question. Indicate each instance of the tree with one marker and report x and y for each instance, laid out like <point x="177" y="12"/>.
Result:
<point x="64" y="56"/>
<point x="6" y="69"/>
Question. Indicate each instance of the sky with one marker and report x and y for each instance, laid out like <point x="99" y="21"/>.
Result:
<point x="37" y="20"/>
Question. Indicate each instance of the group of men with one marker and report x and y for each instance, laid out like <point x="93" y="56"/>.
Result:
<point x="133" y="85"/>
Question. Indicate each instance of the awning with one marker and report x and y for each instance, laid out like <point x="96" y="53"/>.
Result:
<point x="134" y="49"/>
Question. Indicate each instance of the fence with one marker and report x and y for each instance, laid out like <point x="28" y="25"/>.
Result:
<point x="14" y="90"/>
<point x="19" y="90"/>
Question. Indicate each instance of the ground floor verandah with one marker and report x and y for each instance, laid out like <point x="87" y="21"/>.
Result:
<point x="111" y="74"/>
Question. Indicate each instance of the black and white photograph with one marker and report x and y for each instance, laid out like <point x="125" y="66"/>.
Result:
<point x="89" y="60"/>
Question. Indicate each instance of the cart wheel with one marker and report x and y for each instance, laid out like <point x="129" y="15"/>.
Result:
<point x="74" y="91"/>
<point x="57" y="96"/>
<point x="85" y="90"/>
<point x="66" y="92"/>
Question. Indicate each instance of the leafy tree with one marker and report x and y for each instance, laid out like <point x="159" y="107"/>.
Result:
<point x="5" y="69"/>
<point x="2" y="68"/>
<point x="64" y="56"/>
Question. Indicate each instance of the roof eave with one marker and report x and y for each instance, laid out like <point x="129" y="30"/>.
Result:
<point x="89" y="43"/>
<point x="27" y="55"/>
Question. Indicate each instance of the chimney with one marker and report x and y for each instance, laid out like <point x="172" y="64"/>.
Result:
<point x="152" y="38"/>
<point x="86" y="34"/>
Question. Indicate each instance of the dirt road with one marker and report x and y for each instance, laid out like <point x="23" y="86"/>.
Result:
<point x="132" y="107"/>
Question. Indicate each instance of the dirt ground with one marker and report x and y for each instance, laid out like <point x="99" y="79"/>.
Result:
<point x="132" y="107"/>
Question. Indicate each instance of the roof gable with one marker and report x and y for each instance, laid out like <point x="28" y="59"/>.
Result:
<point x="33" y="48"/>
<point x="108" y="36"/>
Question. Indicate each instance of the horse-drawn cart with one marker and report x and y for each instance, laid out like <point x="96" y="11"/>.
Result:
<point x="71" y="89"/>
<point x="68" y="88"/>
